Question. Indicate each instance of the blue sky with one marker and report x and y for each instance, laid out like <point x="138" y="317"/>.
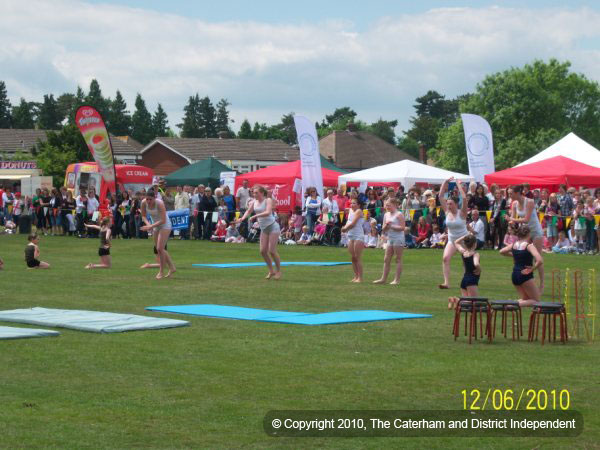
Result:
<point x="270" y="58"/>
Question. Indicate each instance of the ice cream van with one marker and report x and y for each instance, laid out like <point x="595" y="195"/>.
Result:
<point x="85" y="175"/>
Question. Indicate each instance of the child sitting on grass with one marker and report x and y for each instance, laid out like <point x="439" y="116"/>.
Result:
<point x="469" y="286"/>
<point x="220" y="232"/>
<point x="511" y="236"/>
<point x="563" y="244"/>
<point x="32" y="253"/>
<point x="233" y="235"/>
<point x="373" y="235"/>
<point x="305" y="237"/>
<point x="437" y="240"/>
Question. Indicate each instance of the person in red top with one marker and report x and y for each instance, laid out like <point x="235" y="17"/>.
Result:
<point x="220" y="232"/>
<point x="423" y="229"/>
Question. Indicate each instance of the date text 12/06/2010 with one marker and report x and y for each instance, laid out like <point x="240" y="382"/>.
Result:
<point x="513" y="400"/>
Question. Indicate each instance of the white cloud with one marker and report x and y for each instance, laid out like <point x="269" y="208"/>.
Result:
<point x="267" y="70"/>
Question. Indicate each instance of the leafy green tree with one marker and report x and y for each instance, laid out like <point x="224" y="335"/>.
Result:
<point x="339" y="121"/>
<point x="5" y="118"/>
<point x="207" y="118"/>
<point x="68" y="138"/>
<point x="408" y="145"/>
<point x="245" y="130"/>
<point x="64" y="105"/>
<point x="95" y="99"/>
<point x="222" y="119"/>
<point x="22" y="115"/>
<point x="160" y="122"/>
<point x="284" y="130"/>
<point x="119" y="120"/>
<point x="190" y="127"/>
<point x="384" y="129"/>
<point x="141" y="122"/>
<point x="49" y="118"/>
<point x="344" y="114"/>
<point x="528" y="109"/>
<point x="78" y="100"/>
<point x="54" y="161"/>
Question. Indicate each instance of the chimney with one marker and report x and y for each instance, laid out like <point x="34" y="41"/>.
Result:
<point x="351" y="127"/>
<point x="422" y="153"/>
<point x="223" y="134"/>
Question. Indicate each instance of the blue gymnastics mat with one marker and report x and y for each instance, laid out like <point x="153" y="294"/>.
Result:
<point x="260" y="264"/>
<point x="224" y="312"/>
<point x="297" y="318"/>
<point x="338" y="317"/>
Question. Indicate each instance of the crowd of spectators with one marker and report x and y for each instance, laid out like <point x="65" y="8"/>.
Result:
<point x="569" y="217"/>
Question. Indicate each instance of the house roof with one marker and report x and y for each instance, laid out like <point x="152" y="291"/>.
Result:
<point x="196" y="149"/>
<point x="361" y="150"/>
<point x="13" y="140"/>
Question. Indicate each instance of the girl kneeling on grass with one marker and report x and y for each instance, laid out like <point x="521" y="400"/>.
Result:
<point x="356" y="239"/>
<point x="469" y="286"/>
<point x="393" y="226"/>
<point x="32" y="253"/>
<point x="104" y="250"/>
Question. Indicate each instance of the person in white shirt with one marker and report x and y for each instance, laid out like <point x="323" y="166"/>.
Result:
<point x="182" y="201"/>
<point x="478" y="228"/>
<point x="241" y="197"/>
<point x="332" y="205"/>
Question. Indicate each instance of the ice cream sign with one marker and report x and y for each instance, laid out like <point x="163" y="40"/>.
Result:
<point x="94" y="133"/>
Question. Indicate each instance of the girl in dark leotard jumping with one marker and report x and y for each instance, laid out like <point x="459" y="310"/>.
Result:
<point x="469" y="286"/>
<point x="524" y="253"/>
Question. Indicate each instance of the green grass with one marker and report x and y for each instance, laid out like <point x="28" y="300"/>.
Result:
<point x="209" y="385"/>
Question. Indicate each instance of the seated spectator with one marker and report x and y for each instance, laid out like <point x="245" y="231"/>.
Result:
<point x="233" y="235"/>
<point x="511" y="236"/>
<point x="305" y="237"/>
<point x="298" y="222"/>
<point x="478" y="228"/>
<point x="437" y="240"/>
<point x="563" y="244"/>
<point x="373" y="235"/>
<point x="220" y="232"/>
<point x="423" y="229"/>
<point x="289" y="231"/>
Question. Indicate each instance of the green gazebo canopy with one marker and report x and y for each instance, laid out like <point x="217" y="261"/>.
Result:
<point x="326" y="164"/>
<point x="206" y="172"/>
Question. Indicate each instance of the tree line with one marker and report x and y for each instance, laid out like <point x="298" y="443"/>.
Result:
<point x="528" y="108"/>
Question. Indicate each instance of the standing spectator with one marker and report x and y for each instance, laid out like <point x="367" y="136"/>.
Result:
<point x="552" y="210"/>
<point x="67" y="208"/>
<point x="18" y="206"/>
<point x="341" y="200"/>
<point x="207" y="206"/>
<point x="55" y="216"/>
<point x="242" y="197"/>
<point x="497" y="222"/>
<point x="565" y="201"/>
<point x="479" y="200"/>
<point x="374" y="205"/>
<point x="194" y="202"/>
<point x="93" y="205"/>
<point x="478" y="228"/>
<point x="313" y="208"/>
<point x="81" y="211"/>
<point x="7" y="202"/>
<point x="588" y="213"/>
<point x="229" y="202"/>
<point x="1" y="206"/>
<point x="332" y="205"/>
<point x="45" y="210"/>
<point x="125" y="210"/>
<point x="182" y="201"/>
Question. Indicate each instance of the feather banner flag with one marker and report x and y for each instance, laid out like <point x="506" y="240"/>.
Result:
<point x="92" y="128"/>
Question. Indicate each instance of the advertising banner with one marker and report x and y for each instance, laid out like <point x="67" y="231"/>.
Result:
<point x="94" y="133"/>
<point x="480" y="147"/>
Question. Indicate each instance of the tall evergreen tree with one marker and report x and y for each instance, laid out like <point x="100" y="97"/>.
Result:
<point x="190" y="127"/>
<point x="119" y="120"/>
<point x="95" y="99"/>
<point x="49" y="117"/>
<point x="141" y="128"/>
<point x="245" y="130"/>
<point x="5" y="119"/>
<point x="64" y="104"/>
<point x="207" y="118"/>
<point x="222" y="120"/>
<point x="78" y="100"/>
<point x="22" y="115"/>
<point x="160" y="122"/>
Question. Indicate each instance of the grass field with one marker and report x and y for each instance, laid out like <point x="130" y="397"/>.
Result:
<point x="209" y="385"/>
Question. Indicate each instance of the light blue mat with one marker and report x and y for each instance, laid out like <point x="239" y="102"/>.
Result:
<point x="261" y="264"/>
<point x="346" y="317"/>
<point x="94" y="321"/>
<point x="298" y="318"/>
<point x="225" y="312"/>
<point x="19" y="333"/>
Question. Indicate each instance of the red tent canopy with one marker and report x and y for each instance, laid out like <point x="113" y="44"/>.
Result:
<point x="280" y="181"/>
<point x="548" y="173"/>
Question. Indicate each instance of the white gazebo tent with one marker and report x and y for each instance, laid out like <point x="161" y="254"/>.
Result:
<point x="572" y="147"/>
<point x="406" y="172"/>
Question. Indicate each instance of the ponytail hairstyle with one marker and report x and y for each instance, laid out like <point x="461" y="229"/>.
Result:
<point x="32" y="237"/>
<point x="518" y="189"/>
<point x="470" y="241"/>
<point x="523" y="231"/>
<point x="260" y="188"/>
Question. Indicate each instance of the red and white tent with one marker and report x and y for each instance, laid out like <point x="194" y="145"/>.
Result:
<point x="280" y="181"/>
<point x="549" y="173"/>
